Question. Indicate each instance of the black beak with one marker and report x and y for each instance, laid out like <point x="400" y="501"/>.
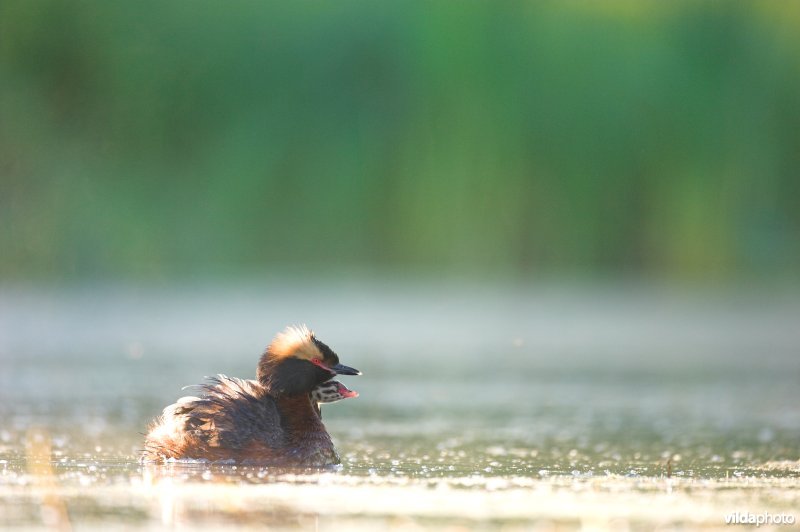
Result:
<point x="341" y="369"/>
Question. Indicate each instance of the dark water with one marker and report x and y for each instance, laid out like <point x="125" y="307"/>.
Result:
<point x="487" y="407"/>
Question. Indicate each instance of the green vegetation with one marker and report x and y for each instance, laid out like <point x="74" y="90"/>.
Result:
<point x="163" y="139"/>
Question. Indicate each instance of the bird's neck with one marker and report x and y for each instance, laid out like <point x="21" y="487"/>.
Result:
<point x="308" y="442"/>
<point x="301" y="422"/>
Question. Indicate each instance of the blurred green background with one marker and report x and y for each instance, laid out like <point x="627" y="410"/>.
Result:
<point x="150" y="140"/>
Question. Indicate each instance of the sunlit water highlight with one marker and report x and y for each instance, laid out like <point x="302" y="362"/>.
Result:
<point x="501" y="407"/>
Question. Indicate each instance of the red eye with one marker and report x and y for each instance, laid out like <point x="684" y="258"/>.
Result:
<point x="320" y="363"/>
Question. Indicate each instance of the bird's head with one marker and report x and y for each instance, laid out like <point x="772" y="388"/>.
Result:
<point x="331" y="391"/>
<point x="295" y="362"/>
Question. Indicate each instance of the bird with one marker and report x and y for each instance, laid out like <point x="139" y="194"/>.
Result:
<point x="273" y="420"/>
<point x="330" y="392"/>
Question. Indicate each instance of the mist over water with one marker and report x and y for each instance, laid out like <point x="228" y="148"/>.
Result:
<point x="480" y="396"/>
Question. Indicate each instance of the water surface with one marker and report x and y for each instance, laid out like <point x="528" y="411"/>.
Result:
<point x="484" y="407"/>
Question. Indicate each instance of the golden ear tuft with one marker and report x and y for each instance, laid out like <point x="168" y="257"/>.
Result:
<point x="296" y="341"/>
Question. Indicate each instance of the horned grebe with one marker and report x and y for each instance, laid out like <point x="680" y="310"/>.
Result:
<point x="274" y="420"/>
<point x="330" y="392"/>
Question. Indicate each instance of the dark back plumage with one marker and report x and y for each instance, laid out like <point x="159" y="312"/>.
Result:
<point x="228" y="414"/>
<point x="225" y="419"/>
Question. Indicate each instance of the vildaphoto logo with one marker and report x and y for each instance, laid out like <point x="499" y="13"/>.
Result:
<point x="765" y="518"/>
